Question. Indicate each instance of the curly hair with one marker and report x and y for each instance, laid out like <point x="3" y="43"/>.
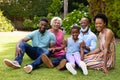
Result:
<point x="44" y="19"/>
<point x="102" y="16"/>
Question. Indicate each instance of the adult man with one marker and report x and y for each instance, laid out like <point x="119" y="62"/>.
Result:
<point x="88" y="44"/>
<point x="87" y="36"/>
<point x="41" y="41"/>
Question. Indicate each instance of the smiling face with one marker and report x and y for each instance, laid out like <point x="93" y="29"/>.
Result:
<point x="99" y="24"/>
<point x="84" y="23"/>
<point x="75" y="34"/>
<point x="42" y="26"/>
<point x="56" y="24"/>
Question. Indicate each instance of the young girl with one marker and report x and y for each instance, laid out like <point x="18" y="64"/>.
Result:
<point x="73" y="52"/>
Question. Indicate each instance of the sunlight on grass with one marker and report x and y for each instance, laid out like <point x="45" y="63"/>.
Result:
<point x="7" y="49"/>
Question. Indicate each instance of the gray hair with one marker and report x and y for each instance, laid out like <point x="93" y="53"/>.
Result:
<point x="56" y="18"/>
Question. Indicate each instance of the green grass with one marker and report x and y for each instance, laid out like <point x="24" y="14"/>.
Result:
<point x="7" y="49"/>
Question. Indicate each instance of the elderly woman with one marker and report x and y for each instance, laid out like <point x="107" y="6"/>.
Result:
<point x="56" y="23"/>
<point x="103" y="57"/>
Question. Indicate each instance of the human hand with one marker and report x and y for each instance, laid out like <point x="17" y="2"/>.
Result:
<point x="82" y="44"/>
<point x="88" y="54"/>
<point x="18" y="51"/>
<point x="51" y="49"/>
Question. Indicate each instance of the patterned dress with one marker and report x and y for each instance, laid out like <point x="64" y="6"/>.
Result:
<point x="95" y="61"/>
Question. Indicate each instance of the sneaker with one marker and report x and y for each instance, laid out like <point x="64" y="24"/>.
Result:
<point x="47" y="61"/>
<point x="12" y="64"/>
<point x="28" y="68"/>
<point x="61" y="65"/>
<point x="84" y="68"/>
<point x="71" y="69"/>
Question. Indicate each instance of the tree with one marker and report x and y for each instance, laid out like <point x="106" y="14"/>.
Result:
<point x="40" y="7"/>
<point x="65" y="7"/>
<point x="111" y="9"/>
<point x="55" y="7"/>
<point x="74" y="4"/>
<point x="18" y="10"/>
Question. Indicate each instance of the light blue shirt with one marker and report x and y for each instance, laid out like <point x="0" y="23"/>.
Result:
<point x="41" y="40"/>
<point x="90" y="40"/>
<point x="72" y="46"/>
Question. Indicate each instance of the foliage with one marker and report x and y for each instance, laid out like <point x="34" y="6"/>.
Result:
<point x="17" y="8"/>
<point x="111" y="9"/>
<point x="40" y="7"/>
<point x="28" y="24"/>
<point x="113" y="13"/>
<point x="55" y="7"/>
<point x="32" y="24"/>
<point x="75" y="4"/>
<point x="5" y="24"/>
<point x="118" y="33"/>
<point x="74" y="18"/>
<point x="25" y="8"/>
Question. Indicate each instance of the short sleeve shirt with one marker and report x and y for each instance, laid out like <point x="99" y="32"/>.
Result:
<point x="41" y="40"/>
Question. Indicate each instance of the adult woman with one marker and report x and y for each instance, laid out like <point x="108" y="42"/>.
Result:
<point x="56" y="23"/>
<point x="103" y="57"/>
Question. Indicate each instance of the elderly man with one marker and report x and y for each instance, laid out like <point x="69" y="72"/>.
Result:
<point x="87" y="36"/>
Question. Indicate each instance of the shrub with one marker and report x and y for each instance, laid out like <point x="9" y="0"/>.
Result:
<point x="5" y="24"/>
<point x="32" y="24"/>
<point x="73" y="18"/>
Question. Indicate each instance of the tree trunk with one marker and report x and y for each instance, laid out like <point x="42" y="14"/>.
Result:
<point x="65" y="7"/>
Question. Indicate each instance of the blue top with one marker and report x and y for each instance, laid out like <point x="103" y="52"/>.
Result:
<point x="41" y="40"/>
<point x="72" y="46"/>
<point x="90" y="39"/>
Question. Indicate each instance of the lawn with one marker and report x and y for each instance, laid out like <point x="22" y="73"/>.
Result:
<point x="7" y="49"/>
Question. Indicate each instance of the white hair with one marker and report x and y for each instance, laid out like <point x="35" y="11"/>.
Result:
<point x="56" y="18"/>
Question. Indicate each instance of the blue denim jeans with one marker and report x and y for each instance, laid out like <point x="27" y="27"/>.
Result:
<point x="57" y="60"/>
<point x="33" y="52"/>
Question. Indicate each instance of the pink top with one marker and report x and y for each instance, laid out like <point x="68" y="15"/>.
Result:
<point x="59" y="41"/>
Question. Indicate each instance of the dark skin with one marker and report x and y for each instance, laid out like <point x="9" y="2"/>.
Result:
<point x="42" y="28"/>
<point x="84" y="23"/>
<point x="74" y="34"/>
<point x="109" y="35"/>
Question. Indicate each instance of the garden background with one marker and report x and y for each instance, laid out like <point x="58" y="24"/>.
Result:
<point x="19" y="17"/>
